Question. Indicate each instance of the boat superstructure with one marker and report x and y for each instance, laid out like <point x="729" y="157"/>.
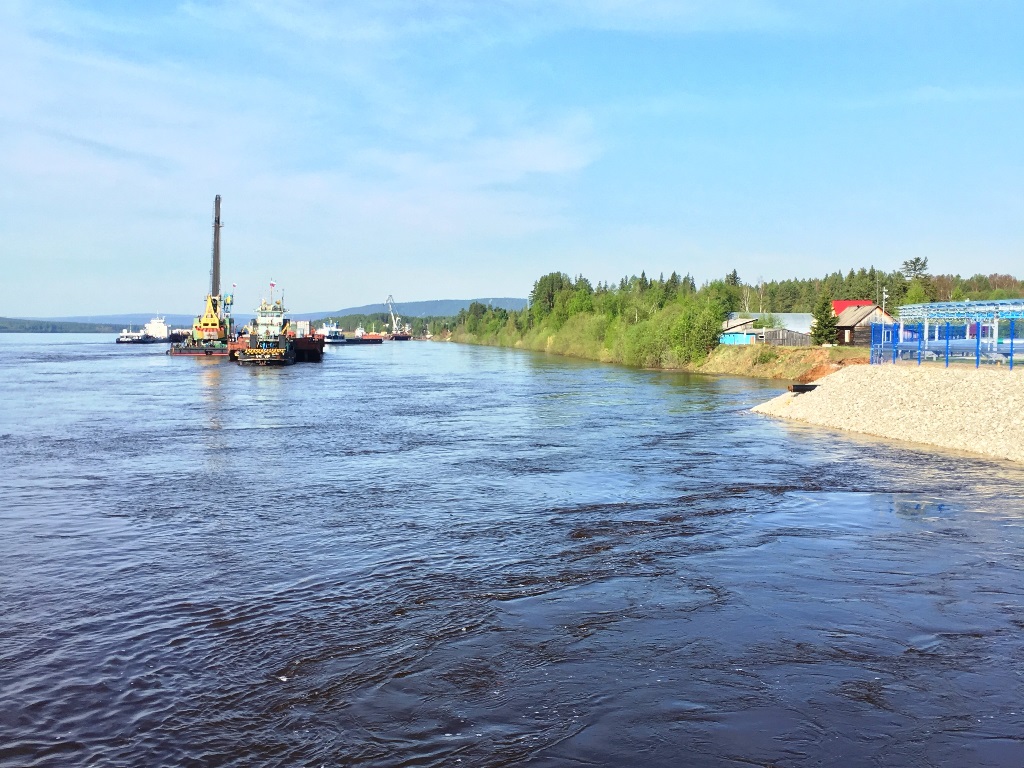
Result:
<point x="332" y="333"/>
<point x="268" y="340"/>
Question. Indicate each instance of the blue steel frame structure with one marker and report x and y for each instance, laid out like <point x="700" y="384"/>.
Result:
<point x="956" y="328"/>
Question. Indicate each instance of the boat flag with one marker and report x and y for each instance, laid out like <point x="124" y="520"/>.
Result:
<point x="272" y="284"/>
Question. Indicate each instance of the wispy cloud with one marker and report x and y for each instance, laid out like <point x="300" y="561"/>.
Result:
<point x="408" y="129"/>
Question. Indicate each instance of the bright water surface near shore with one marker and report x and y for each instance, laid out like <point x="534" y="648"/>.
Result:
<point x="424" y="554"/>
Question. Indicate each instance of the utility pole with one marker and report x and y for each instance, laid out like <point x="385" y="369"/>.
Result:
<point x="885" y="295"/>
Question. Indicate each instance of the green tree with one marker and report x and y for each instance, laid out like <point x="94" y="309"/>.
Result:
<point x="916" y="292"/>
<point x="545" y="290"/>
<point x="915" y="267"/>
<point x="824" y="330"/>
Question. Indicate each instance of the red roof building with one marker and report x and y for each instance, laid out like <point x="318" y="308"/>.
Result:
<point x="839" y="306"/>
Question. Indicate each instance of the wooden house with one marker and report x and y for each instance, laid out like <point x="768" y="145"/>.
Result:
<point x="854" y="319"/>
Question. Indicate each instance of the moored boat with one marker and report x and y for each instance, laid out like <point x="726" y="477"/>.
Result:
<point x="332" y="333"/>
<point x="267" y="342"/>
<point x="128" y="336"/>
<point x="273" y="340"/>
<point x="360" y="336"/>
<point x="152" y="332"/>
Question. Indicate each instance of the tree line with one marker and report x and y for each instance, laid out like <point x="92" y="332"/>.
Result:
<point x="911" y="284"/>
<point x="672" y="323"/>
<point x="16" y="325"/>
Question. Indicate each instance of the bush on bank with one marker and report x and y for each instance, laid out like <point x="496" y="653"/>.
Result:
<point x="663" y="323"/>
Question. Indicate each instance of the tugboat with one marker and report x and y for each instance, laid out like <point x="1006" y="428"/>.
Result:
<point x="269" y="342"/>
<point x="211" y="331"/>
<point x="152" y="332"/>
<point x="332" y="333"/>
<point x="128" y="336"/>
<point x="274" y="340"/>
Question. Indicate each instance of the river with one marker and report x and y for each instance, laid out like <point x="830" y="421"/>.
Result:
<point x="428" y="554"/>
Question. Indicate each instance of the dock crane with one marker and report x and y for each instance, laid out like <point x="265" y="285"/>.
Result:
<point x="398" y="333"/>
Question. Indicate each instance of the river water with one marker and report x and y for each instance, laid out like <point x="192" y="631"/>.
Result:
<point x="426" y="554"/>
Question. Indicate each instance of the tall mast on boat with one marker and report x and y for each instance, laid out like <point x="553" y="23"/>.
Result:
<point x="215" y="274"/>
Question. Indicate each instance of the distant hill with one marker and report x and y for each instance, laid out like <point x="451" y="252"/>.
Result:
<point x="436" y="308"/>
<point x="114" y="323"/>
<point x="122" y="321"/>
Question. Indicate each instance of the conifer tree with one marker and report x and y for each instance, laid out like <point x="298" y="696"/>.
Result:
<point x="824" y="330"/>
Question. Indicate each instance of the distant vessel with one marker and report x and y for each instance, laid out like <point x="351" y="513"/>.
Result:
<point x="399" y="332"/>
<point x="332" y="333"/>
<point x="128" y="336"/>
<point x="153" y="332"/>
<point x="273" y="339"/>
<point x="360" y="336"/>
<point x="211" y="331"/>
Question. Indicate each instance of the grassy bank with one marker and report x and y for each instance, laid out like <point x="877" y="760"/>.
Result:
<point x="757" y="361"/>
<point x="790" y="363"/>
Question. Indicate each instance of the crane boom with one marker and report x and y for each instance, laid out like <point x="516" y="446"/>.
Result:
<point x="390" y="303"/>
<point x="215" y="272"/>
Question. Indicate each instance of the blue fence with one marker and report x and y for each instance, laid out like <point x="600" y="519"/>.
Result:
<point x="969" y="342"/>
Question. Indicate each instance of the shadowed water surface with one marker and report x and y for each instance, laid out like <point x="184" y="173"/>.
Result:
<point x="434" y="555"/>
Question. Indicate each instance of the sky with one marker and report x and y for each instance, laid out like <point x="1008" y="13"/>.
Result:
<point x="436" y="149"/>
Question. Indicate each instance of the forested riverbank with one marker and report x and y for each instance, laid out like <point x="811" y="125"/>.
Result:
<point x="665" y="324"/>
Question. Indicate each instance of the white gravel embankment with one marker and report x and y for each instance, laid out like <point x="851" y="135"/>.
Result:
<point x="974" y="410"/>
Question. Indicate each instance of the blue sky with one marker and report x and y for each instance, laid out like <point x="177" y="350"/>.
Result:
<point x="458" y="148"/>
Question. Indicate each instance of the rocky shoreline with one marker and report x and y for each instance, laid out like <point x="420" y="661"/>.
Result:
<point x="978" y="411"/>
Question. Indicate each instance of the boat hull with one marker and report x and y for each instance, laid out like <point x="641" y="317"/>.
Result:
<point x="308" y="349"/>
<point x="139" y="340"/>
<point x="274" y="356"/>
<point x="189" y="350"/>
<point x="351" y="342"/>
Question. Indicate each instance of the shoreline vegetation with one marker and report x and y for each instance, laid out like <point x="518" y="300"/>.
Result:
<point x="662" y="324"/>
<point x="16" y="325"/>
<point x="671" y="324"/>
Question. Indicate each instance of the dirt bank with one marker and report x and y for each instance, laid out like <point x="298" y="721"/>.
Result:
<point x="966" y="409"/>
<point x="790" y="363"/>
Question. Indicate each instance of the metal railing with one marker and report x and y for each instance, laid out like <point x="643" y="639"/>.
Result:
<point x="994" y="342"/>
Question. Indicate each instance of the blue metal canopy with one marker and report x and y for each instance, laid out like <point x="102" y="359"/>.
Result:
<point x="978" y="311"/>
